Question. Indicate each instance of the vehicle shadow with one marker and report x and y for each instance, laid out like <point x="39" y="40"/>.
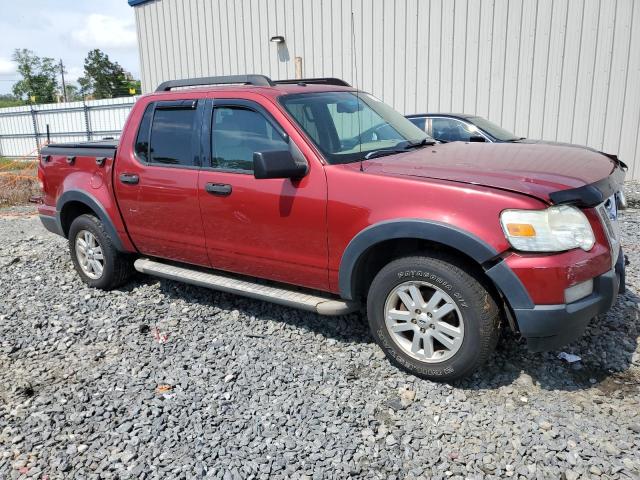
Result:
<point x="350" y="328"/>
<point x="606" y="349"/>
<point x="606" y="352"/>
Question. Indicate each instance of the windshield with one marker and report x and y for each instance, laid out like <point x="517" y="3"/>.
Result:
<point x="492" y="129"/>
<point x="347" y="127"/>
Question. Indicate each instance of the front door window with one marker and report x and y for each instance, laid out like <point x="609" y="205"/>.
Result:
<point x="239" y="132"/>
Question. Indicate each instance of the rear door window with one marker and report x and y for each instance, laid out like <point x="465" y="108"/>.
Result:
<point x="419" y="122"/>
<point x="173" y="130"/>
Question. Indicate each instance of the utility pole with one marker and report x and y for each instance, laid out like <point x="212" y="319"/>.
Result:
<point x="64" y="87"/>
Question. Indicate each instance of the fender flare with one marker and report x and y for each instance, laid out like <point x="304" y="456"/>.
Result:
<point x="91" y="202"/>
<point x="461" y="240"/>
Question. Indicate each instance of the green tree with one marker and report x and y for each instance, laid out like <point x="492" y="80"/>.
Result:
<point x="134" y="86"/>
<point x="102" y="77"/>
<point x="39" y="82"/>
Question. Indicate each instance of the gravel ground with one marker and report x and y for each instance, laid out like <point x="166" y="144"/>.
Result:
<point x="165" y="380"/>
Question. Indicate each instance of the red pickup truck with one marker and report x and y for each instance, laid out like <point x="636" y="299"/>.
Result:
<point x="314" y="195"/>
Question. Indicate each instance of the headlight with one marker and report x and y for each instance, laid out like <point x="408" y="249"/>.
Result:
<point x="555" y="229"/>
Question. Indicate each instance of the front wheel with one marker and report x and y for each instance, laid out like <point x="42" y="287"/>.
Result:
<point x="432" y="318"/>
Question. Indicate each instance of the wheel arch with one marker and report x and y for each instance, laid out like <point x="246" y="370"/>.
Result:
<point x="74" y="203"/>
<point x="377" y="244"/>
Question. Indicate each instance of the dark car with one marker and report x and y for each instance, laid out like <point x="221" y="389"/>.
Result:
<point x="461" y="127"/>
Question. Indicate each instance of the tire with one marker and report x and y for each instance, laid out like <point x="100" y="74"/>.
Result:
<point x="116" y="266"/>
<point x="458" y="299"/>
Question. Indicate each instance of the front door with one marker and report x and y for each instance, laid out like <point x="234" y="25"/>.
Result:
<point x="157" y="183"/>
<point x="273" y="228"/>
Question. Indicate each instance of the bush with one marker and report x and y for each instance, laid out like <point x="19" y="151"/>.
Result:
<point x="18" y="181"/>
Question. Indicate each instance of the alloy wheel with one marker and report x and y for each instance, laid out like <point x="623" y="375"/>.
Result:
<point x="424" y="321"/>
<point x="89" y="254"/>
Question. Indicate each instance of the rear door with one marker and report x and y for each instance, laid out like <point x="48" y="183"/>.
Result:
<point x="271" y="228"/>
<point x="156" y="182"/>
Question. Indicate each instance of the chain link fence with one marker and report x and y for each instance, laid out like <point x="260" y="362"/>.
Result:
<point x="23" y="130"/>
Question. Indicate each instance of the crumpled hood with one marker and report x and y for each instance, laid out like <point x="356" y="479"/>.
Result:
<point x="534" y="169"/>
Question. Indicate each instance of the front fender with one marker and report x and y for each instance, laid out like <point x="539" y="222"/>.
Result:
<point x="504" y="279"/>
<point x="429" y="230"/>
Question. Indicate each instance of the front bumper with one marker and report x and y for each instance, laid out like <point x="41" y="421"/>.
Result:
<point x="549" y="327"/>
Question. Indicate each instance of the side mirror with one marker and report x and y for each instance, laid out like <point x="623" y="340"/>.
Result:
<point x="278" y="164"/>
<point x="477" y="138"/>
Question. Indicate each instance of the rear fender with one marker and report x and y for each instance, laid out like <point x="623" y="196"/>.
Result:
<point x="105" y="209"/>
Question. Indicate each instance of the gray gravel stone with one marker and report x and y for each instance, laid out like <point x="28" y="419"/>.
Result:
<point x="261" y="391"/>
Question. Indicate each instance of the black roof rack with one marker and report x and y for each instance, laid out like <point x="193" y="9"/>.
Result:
<point x="257" y="80"/>
<point x="321" y="81"/>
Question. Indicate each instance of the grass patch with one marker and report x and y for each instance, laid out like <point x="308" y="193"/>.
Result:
<point x="7" y="163"/>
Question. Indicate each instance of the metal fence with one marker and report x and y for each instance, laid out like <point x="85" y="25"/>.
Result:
<point x="23" y="130"/>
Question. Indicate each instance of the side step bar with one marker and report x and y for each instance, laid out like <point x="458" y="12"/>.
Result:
<point x="323" y="305"/>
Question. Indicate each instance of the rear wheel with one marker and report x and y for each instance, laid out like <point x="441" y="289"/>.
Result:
<point x="432" y="318"/>
<point x="96" y="260"/>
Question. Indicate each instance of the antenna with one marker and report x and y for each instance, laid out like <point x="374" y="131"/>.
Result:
<point x="356" y="84"/>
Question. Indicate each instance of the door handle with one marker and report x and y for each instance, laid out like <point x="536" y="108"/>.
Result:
<point x="222" y="189"/>
<point x="130" y="178"/>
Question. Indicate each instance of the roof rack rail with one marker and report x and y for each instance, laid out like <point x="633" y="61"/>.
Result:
<point x="257" y="80"/>
<point x="321" y="81"/>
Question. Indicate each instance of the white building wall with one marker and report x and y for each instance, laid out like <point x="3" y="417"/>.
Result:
<point x="565" y="70"/>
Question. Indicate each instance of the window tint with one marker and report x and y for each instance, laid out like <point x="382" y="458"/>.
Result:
<point x="237" y="133"/>
<point x="450" y="130"/>
<point x="171" y="136"/>
<point x="142" y="141"/>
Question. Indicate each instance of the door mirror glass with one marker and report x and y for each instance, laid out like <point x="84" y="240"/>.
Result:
<point x="278" y="164"/>
<point x="477" y="138"/>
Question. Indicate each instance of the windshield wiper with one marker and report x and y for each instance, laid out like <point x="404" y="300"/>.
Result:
<point x="383" y="151"/>
<point x="422" y="143"/>
<point x="399" y="148"/>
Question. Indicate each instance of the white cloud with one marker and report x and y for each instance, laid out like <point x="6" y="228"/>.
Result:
<point x="104" y="31"/>
<point x="73" y="73"/>
<point x="7" y="67"/>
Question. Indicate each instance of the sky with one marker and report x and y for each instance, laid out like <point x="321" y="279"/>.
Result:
<point x="67" y="30"/>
